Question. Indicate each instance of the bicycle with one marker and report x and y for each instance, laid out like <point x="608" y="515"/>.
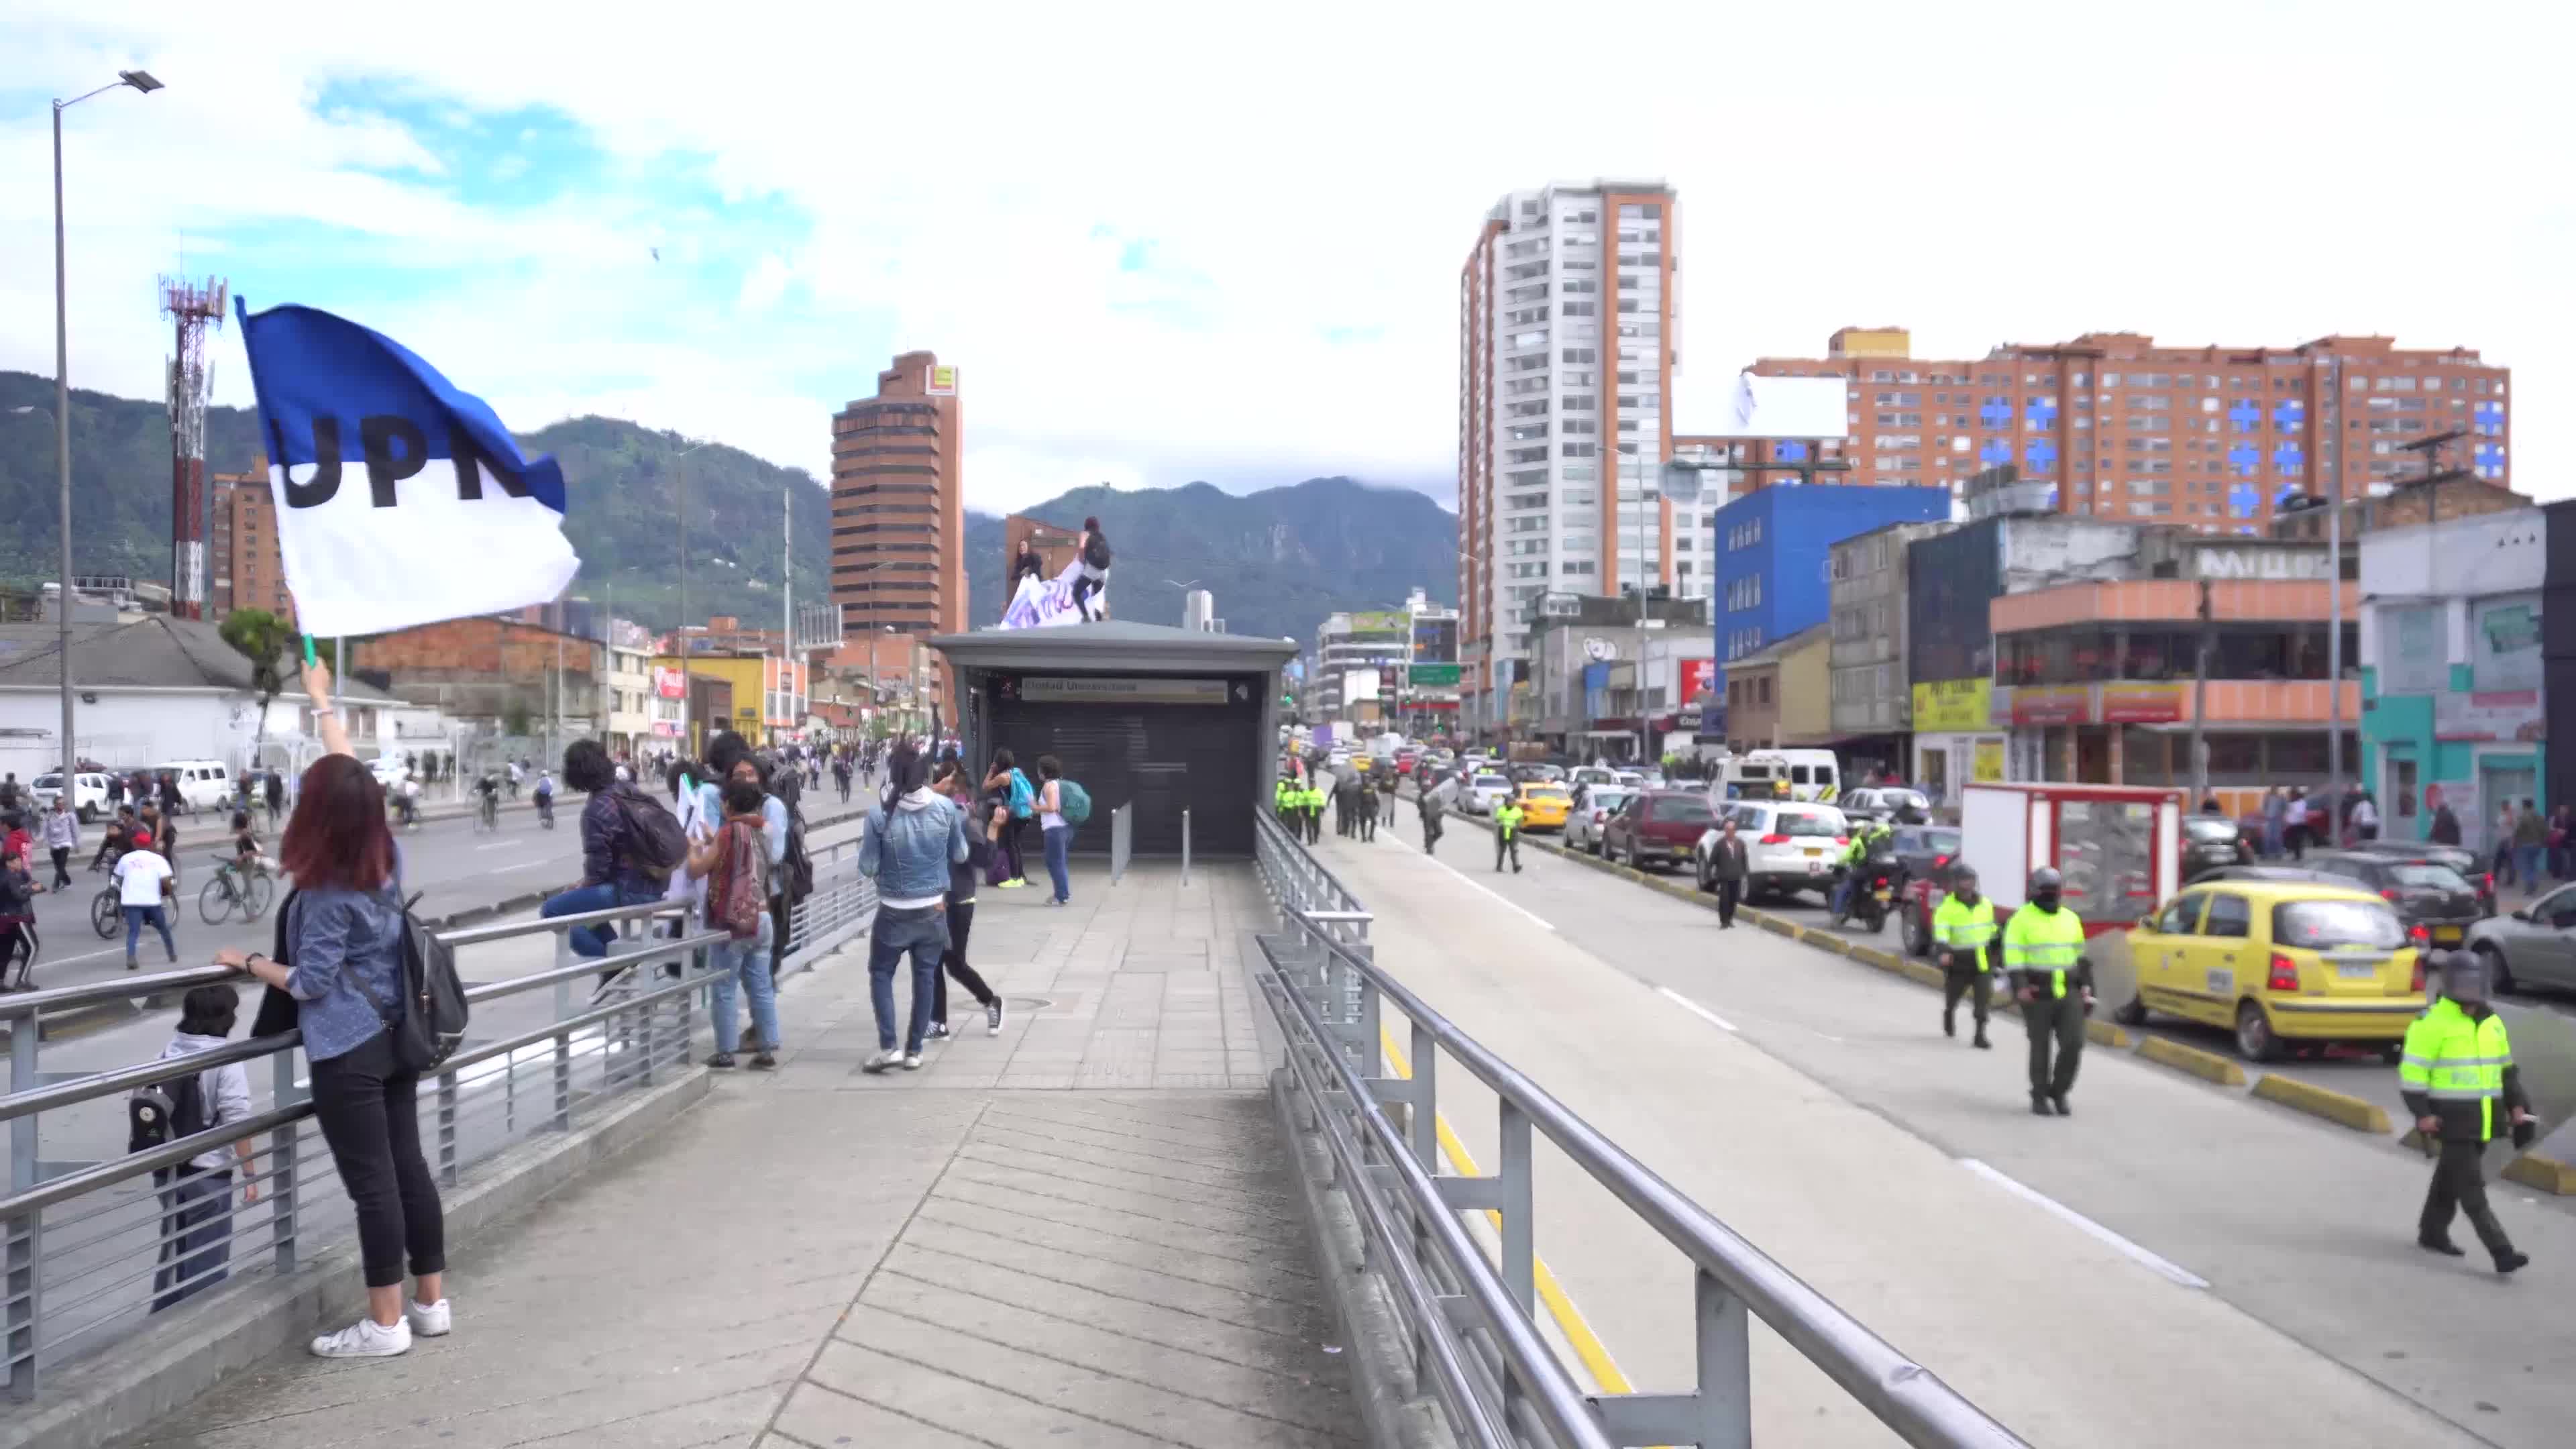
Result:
<point x="229" y="889"/>
<point x="487" y="816"/>
<point x="546" y="811"/>
<point x="106" y="912"/>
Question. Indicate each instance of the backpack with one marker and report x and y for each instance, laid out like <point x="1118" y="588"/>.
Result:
<point x="795" y="868"/>
<point x="430" y="1023"/>
<point x="737" y="893"/>
<point x="656" y="844"/>
<point x="165" y="1112"/>
<point x="1024" y="797"/>
<point x="1072" y="802"/>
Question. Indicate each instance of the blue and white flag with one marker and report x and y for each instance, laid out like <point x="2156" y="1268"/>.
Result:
<point x="400" y="500"/>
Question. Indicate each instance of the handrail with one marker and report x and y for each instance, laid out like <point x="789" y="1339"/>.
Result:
<point x="1900" y="1393"/>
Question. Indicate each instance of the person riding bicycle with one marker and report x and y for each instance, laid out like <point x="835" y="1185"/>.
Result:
<point x="1870" y="837"/>
<point x="245" y="861"/>
<point x="112" y="843"/>
<point x="488" y="786"/>
<point x="545" y="793"/>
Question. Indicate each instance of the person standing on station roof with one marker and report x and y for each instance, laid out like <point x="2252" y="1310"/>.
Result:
<point x="2457" y="1066"/>
<point x="1963" y="930"/>
<point x="2043" y="946"/>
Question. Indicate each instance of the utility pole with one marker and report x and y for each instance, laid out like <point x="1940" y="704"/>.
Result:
<point x="2200" y="706"/>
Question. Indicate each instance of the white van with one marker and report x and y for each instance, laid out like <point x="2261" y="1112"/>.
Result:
<point x="89" y="793"/>
<point x="1812" y="775"/>
<point x="203" y="784"/>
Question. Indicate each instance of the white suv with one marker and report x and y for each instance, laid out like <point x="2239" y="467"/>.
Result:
<point x="1483" y="792"/>
<point x="1789" y="846"/>
<point x="89" y="792"/>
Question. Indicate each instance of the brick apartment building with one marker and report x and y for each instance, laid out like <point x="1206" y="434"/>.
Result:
<point x="241" y="546"/>
<point x="2212" y="438"/>
<point x="482" y="668"/>
<point x="898" y="504"/>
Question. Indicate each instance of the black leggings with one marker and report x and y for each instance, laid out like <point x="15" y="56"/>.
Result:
<point x="370" y="1117"/>
<point x="961" y="923"/>
<point x="1084" y="586"/>
<point x="18" y="939"/>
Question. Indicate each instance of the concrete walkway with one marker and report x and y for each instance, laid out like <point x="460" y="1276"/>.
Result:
<point x="1078" y="1233"/>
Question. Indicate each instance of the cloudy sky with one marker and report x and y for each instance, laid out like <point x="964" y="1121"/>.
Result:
<point x="1167" y="243"/>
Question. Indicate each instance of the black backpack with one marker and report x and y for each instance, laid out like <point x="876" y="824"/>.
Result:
<point x="165" y="1112"/>
<point x="428" y="1024"/>
<point x="655" y="843"/>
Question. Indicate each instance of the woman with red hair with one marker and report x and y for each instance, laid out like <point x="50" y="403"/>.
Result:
<point x="343" y="929"/>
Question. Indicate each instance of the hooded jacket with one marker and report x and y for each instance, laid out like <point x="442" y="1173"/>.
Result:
<point x="908" y="849"/>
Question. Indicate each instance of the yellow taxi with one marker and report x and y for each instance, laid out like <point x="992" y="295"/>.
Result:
<point x="2278" y="962"/>
<point x="1543" y="807"/>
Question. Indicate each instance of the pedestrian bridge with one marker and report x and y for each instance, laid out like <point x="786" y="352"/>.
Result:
<point x="1343" y="1148"/>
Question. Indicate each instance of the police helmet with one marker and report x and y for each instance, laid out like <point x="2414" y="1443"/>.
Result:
<point x="2045" y="881"/>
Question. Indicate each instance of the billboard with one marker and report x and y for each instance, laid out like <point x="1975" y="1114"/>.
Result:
<point x="1953" y="706"/>
<point x="666" y="683"/>
<point x="943" y="380"/>
<point x="1435" y="676"/>
<point x="1379" y="621"/>
<point x="1358" y="685"/>
<point x="1786" y="407"/>
<point x="1699" y="676"/>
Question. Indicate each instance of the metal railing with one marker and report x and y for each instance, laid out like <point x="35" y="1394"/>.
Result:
<point x="1122" y="840"/>
<point x="1476" y="1343"/>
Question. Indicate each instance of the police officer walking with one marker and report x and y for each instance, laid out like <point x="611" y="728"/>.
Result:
<point x="1963" y="931"/>
<point x="2457" y="1067"/>
<point x="2043" y="946"/>
<point x="1507" y="834"/>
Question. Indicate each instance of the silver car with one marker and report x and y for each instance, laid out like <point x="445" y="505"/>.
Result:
<point x="1583" y="822"/>
<point x="2534" y="946"/>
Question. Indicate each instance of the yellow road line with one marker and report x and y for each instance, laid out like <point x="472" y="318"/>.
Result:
<point x="1569" y="1319"/>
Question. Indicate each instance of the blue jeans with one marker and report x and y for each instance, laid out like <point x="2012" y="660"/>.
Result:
<point x="135" y="916"/>
<point x="580" y="900"/>
<point x="2526" y="864"/>
<point x="747" y="962"/>
<point x="1059" y="838"/>
<point x="1843" y="889"/>
<point x="923" y="932"/>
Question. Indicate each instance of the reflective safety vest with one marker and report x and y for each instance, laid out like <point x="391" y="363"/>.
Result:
<point x="2454" y="1058"/>
<point x="1286" y="795"/>
<point x="1863" y="843"/>
<point x="1507" y="819"/>
<point x="1961" y="927"/>
<point x="2044" y="943"/>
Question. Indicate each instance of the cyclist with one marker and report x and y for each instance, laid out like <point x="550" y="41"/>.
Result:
<point x="515" y="774"/>
<point x="546" y="798"/>
<point x="488" y="786"/>
<point x="407" y="796"/>
<point x="245" y="861"/>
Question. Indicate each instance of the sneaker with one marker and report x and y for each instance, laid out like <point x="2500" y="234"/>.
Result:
<point x="428" y="1320"/>
<point x="132" y="965"/>
<point x="882" y="1060"/>
<point x="365" y="1338"/>
<point x="938" y="1031"/>
<point x="993" y="1017"/>
<point x="912" y="1061"/>
<point x="721" y="1061"/>
<point x="1014" y="883"/>
<point x="763" y="1062"/>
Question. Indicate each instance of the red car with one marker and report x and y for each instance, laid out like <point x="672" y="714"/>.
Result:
<point x="1657" y="829"/>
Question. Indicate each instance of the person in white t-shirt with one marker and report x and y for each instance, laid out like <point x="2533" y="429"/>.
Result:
<point x="143" y="886"/>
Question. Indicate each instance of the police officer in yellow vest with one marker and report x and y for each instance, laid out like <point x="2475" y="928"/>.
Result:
<point x="1283" y="798"/>
<point x="1315" y="798"/>
<point x="1507" y="834"/>
<point x="2457" y="1072"/>
<point x="1963" y="931"/>
<point x="2044" y="952"/>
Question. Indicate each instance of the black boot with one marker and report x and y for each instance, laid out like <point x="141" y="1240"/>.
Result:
<point x="2038" y="1105"/>
<point x="2063" y="1110"/>
<point x="1981" y="1043"/>
<point x="1949" y="1027"/>
<point x="2443" y="1246"/>
<point x="2508" y="1260"/>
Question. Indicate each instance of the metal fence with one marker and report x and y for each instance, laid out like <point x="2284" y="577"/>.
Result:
<point x="1476" y="1344"/>
<point x="1122" y="840"/>
<point x="98" y="1240"/>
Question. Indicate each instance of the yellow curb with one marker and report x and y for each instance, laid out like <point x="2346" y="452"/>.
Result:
<point x="1917" y="971"/>
<point x="2336" y="1107"/>
<point x="1826" y="941"/>
<point x="2209" y="1066"/>
<point x="2104" y="1033"/>
<point x="1883" y="960"/>
<point x="1782" y="925"/>
<point x="2546" y="1174"/>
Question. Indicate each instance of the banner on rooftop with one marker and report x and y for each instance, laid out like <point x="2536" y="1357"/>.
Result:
<point x="400" y="499"/>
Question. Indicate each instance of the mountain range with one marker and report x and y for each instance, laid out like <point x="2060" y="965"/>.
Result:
<point x="1277" y="560"/>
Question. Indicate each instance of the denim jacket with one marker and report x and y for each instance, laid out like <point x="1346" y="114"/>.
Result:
<point x="909" y="849"/>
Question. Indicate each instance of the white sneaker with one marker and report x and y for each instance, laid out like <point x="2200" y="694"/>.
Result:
<point x="365" y="1338"/>
<point x="912" y="1062"/>
<point x="427" y="1320"/>
<point x="890" y="1057"/>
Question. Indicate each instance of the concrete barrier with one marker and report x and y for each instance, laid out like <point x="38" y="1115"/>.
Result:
<point x="2543" y="1174"/>
<point x="2104" y="1033"/>
<point x="2316" y="1101"/>
<point x="1826" y="940"/>
<point x="1918" y="972"/>
<point x="1883" y="960"/>
<point x="2208" y="1066"/>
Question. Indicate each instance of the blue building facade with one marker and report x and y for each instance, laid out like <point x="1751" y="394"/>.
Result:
<point x="1771" y="554"/>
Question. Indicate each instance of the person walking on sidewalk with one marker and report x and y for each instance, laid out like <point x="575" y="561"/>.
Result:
<point x="2456" y="1071"/>
<point x="1059" y="831"/>
<point x="2043" y="949"/>
<point x="981" y="826"/>
<point x="62" y="837"/>
<point x="1507" y="834"/>
<point x="736" y="866"/>
<point x="1727" y="867"/>
<point x="1430" y="806"/>
<point x="2530" y="843"/>
<point x="908" y="850"/>
<point x="1963" y="930"/>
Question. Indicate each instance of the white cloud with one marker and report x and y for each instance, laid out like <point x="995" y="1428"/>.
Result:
<point x="1300" y="197"/>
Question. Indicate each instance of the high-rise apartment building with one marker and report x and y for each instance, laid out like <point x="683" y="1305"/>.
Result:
<point x="2206" y="437"/>
<point x="1566" y="355"/>
<point x="898" y="505"/>
<point x="242" y="546"/>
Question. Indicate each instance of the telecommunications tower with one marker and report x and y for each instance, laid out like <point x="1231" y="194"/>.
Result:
<point x="192" y="309"/>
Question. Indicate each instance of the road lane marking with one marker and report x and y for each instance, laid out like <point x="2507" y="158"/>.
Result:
<point x="2161" y="1266"/>
<point x="1490" y="891"/>
<point x="504" y="869"/>
<point x="1695" y="1009"/>
<point x="502" y="845"/>
<point x="1569" y="1319"/>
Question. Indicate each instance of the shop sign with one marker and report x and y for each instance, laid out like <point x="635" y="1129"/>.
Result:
<point x="2071" y="704"/>
<point x="2504" y="714"/>
<point x="2132" y="703"/>
<point x="1989" y="768"/>
<point x="1953" y="706"/>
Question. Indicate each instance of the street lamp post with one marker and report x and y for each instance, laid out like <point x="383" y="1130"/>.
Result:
<point x="139" y="80"/>
<point x="679" y="631"/>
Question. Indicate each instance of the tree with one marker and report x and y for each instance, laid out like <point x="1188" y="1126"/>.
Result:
<point x="260" y="637"/>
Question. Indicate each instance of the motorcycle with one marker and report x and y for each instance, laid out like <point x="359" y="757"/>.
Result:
<point x="1869" y="902"/>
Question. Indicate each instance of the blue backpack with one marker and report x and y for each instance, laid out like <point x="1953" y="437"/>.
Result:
<point x="1073" y="802"/>
<point x="1024" y="798"/>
